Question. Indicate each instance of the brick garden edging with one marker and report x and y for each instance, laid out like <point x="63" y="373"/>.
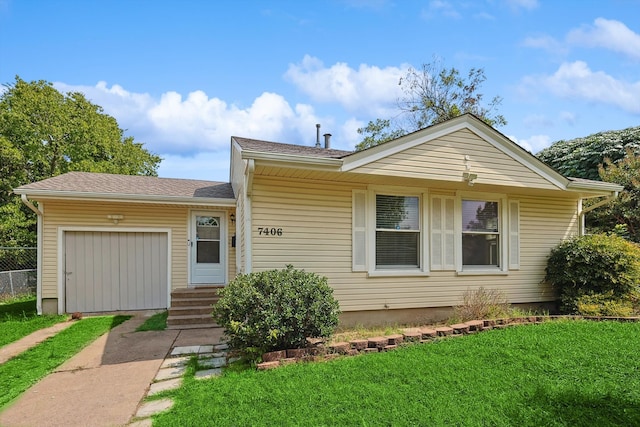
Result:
<point x="317" y="351"/>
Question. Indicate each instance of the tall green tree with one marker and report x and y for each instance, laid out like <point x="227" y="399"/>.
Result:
<point x="44" y="133"/>
<point x="433" y="94"/>
<point x="581" y="157"/>
<point x="623" y="214"/>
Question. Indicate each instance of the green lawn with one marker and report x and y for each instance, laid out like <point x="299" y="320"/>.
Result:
<point x="18" y="318"/>
<point x="157" y="322"/>
<point x="575" y="373"/>
<point x="24" y="370"/>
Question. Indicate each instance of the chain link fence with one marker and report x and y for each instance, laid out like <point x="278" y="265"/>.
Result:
<point x="18" y="270"/>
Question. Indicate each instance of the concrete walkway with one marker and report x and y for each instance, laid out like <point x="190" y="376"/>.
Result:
<point x="15" y="348"/>
<point x="104" y="384"/>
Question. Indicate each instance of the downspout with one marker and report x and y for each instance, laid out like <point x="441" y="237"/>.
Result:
<point x="39" y="213"/>
<point x="582" y="212"/>
<point x="248" y="262"/>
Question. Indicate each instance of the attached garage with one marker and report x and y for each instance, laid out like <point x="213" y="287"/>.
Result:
<point x="111" y="271"/>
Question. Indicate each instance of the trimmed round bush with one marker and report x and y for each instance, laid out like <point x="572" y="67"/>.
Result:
<point x="276" y="310"/>
<point x="595" y="265"/>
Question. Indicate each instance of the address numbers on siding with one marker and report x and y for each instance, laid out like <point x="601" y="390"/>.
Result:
<point x="266" y="231"/>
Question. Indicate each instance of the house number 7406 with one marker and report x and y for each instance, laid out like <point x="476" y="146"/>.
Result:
<point x="265" y="231"/>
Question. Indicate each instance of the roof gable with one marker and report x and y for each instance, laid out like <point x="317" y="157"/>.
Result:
<point x="446" y="150"/>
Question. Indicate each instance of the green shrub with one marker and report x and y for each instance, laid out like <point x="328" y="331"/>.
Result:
<point x="591" y="265"/>
<point x="603" y="305"/>
<point x="276" y="310"/>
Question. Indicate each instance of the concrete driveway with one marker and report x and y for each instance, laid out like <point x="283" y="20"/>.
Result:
<point x="104" y="383"/>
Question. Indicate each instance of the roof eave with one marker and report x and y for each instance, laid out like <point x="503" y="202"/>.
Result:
<point x="113" y="197"/>
<point x="292" y="159"/>
<point x="596" y="186"/>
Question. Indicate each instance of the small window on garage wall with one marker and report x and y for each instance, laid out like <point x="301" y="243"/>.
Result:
<point x="359" y="230"/>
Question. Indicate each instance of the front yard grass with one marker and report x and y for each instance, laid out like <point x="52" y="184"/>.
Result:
<point x="24" y="370"/>
<point x="565" y="373"/>
<point x="18" y="318"/>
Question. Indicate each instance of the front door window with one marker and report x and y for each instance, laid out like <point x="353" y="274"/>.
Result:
<point x="207" y="239"/>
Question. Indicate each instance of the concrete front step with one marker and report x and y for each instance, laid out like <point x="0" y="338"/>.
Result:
<point x="192" y="307"/>
<point x="190" y="319"/>
<point x="193" y="302"/>
<point x="201" y="292"/>
<point x="190" y="310"/>
<point x="193" y="326"/>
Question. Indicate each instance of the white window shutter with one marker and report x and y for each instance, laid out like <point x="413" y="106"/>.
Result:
<point x="514" y="235"/>
<point x="449" y="233"/>
<point x="436" y="233"/>
<point x="359" y="231"/>
<point x="442" y="233"/>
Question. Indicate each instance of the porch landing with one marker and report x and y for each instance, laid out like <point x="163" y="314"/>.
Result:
<point x="191" y="308"/>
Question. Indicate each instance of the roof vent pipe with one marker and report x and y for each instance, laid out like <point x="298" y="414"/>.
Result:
<point x="327" y="140"/>
<point x="318" y="135"/>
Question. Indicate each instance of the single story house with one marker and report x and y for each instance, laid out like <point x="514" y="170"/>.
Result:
<point x="401" y="230"/>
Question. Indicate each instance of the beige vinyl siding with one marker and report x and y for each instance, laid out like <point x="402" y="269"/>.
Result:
<point x="240" y="234"/>
<point x="444" y="159"/>
<point x="94" y="215"/>
<point x="316" y="221"/>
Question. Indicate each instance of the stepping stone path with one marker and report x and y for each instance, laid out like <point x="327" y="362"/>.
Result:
<point x="211" y="360"/>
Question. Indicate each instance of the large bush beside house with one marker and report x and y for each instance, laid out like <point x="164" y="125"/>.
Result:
<point x="276" y="310"/>
<point x="595" y="275"/>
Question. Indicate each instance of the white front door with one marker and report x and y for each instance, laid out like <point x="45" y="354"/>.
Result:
<point x="208" y="248"/>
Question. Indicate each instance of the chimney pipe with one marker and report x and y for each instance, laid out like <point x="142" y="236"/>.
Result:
<point x="327" y="140"/>
<point x="318" y="135"/>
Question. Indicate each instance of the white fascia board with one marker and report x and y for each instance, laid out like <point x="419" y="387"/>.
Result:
<point x="521" y="155"/>
<point x="595" y="185"/>
<point x="279" y="159"/>
<point x="137" y="198"/>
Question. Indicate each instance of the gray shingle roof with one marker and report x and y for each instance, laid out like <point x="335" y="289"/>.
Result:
<point x="280" y="148"/>
<point x="103" y="183"/>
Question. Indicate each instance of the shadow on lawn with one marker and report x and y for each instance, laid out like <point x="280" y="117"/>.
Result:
<point x="573" y="408"/>
<point x="18" y="310"/>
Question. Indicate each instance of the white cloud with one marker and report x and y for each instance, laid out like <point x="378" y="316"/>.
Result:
<point x="576" y="80"/>
<point x="609" y="34"/>
<point x="440" y="7"/>
<point x="523" y="4"/>
<point x="568" y="117"/>
<point x="545" y="42"/>
<point x="370" y="90"/>
<point x="173" y="124"/>
<point x="534" y="143"/>
<point x="350" y="132"/>
<point x="207" y="165"/>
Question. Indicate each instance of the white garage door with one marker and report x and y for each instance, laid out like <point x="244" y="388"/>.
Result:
<point x="115" y="271"/>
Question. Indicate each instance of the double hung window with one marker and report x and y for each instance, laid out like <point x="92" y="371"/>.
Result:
<point x="481" y="233"/>
<point x="412" y="234"/>
<point x="397" y="232"/>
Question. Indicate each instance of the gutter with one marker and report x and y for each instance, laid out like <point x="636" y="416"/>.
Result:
<point x="138" y="198"/>
<point x="38" y="211"/>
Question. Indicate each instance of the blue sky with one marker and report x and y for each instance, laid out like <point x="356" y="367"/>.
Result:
<point x="184" y="76"/>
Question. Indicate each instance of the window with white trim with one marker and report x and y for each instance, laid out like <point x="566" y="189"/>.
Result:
<point x="481" y="238"/>
<point x="474" y="233"/>
<point x="397" y="232"/>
